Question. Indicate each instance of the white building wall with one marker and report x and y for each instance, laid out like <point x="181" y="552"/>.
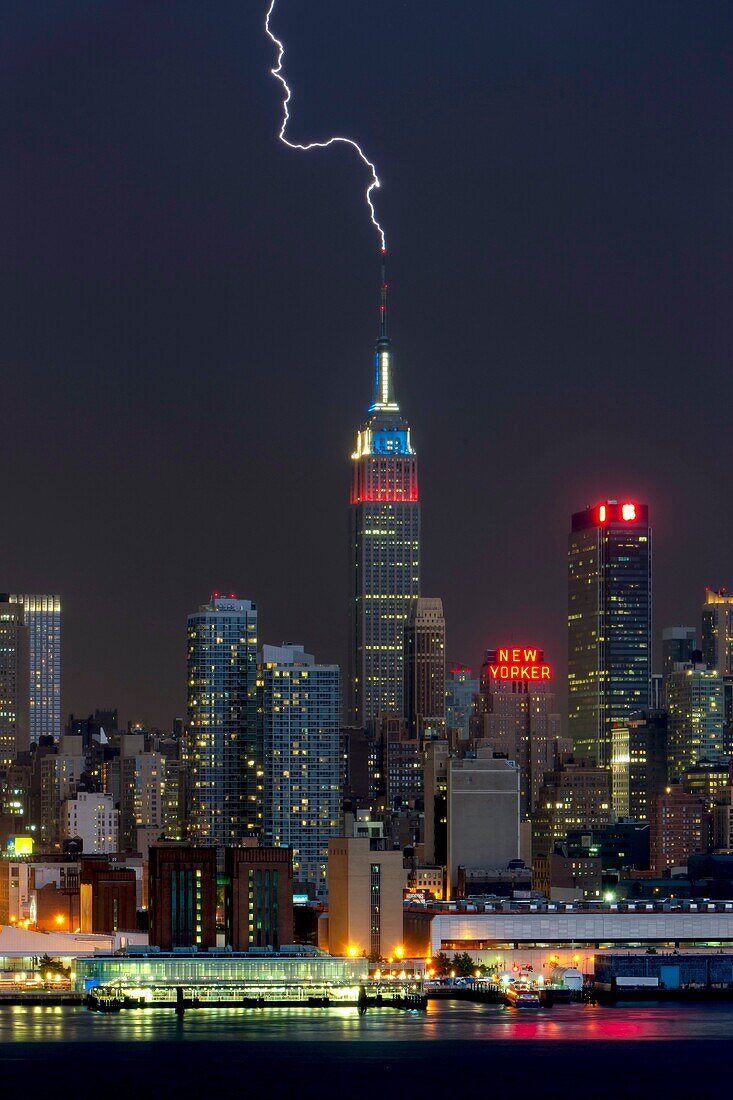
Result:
<point x="92" y="818"/>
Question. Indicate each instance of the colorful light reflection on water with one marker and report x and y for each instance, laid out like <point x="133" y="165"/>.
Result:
<point x="452" y="1021"/>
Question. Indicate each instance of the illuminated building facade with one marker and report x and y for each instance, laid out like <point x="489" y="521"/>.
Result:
<point x="696" y="718"/>
<point x="609" y="622"/>
<point x="14" y="682"/>
<point x="224" y="749"/>
<point x="43" y="619"/>
<point x="575" y="795"/>
<point x="638" y="763"/>
<point x="93" y="819"/>
<point x="717" y="631"/>
<point x="680" y="827"/>
<point x="365" y="892"/>
<point x="425" y="670"/>
<point x="299" y="703"/>
<point x="384" y="548"/>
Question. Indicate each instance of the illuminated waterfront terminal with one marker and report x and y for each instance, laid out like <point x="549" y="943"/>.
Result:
<point x="294" y="975"/>
<point x="548" y="934"/>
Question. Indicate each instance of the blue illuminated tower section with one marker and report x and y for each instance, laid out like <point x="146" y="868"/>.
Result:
<point x="384" y="546"/>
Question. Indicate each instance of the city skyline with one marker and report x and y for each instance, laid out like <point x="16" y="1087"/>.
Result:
<point x="537" y="329"/>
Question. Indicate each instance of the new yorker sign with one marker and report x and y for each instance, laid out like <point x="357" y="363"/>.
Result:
<point x="518" y="663"/>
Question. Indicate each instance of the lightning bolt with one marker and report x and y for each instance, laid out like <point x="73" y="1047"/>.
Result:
<point x="277" y="73"/>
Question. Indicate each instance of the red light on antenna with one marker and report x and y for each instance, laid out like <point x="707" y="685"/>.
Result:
<point x="602" y="513"/>
<point x="628" y="512"/>
<point x="232" y="595"/>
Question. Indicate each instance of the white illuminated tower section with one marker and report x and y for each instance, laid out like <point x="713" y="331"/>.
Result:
<point x="384" y="546"/>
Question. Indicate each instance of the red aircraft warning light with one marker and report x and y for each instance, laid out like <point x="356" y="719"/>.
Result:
<point x="625" y="512"/>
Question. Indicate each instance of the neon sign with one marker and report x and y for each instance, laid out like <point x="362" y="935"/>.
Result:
<point x="519" y="663"/>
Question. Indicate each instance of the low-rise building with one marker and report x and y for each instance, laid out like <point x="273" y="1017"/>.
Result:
<point x="502" y="934"/>
<point x="563" y="877"/>
<point x="258" y="897"/>
<point x="680" y="828"/>
<point x="365" y="892"/>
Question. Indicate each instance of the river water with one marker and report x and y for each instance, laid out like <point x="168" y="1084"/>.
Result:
<point x="619" y="1051"/>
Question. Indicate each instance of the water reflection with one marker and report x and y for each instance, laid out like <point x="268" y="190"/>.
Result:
<point x="451" y="1021"/>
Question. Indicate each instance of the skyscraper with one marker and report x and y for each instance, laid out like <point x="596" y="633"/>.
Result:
<point x="223" y="751"/>
<point x="696" y="718"/>
<point x="639" y="763"/>
<point x="717" y="631"/>
<point x="14" y="680"/>
<point x="609" y="621"/>
<point x="425" y="669"/>
<point x="43" y="619"/>
<point x="299" y="709"/>
<point x="384" y="547"/>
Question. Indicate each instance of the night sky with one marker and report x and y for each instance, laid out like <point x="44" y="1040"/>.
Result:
<point x="188" y="309"/>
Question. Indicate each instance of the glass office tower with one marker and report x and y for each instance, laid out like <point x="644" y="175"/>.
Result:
<point x="384" y="548"/>
<point x="43" y="619"/>
<point x="223" y="744"/>
<point x="609" y="622"/>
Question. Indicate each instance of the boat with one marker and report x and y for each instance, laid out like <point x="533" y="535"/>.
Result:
<point x="522" y="995"/>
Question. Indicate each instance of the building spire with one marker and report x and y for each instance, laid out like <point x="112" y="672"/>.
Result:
<point x="384" y="399"/>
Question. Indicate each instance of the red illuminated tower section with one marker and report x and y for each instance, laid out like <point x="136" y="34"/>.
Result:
<point x="384" y="546"/>
<point x="609" y="622"/>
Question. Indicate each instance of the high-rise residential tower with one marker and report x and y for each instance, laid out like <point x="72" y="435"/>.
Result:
<point x="223" y="749"/>
<point x="609" y="622"/>
<point x="425" y="670"/>
<point x="384" y="547"/>
<point x="299" y="707"/>
<point x="43" y="619"/>
<point x="14" y="678"/>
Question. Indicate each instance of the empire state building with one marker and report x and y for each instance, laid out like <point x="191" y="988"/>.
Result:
<point x="384" y="546"/>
